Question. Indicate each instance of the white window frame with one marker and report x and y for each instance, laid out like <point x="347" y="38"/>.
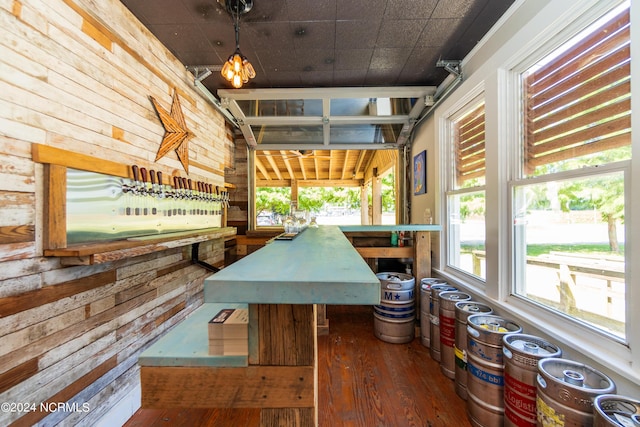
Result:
<point x="447" y="122"/>
<point x="499" y="78"/>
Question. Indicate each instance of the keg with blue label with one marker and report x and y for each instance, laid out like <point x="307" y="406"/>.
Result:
<point x="485" y="368"/>
<point x="464" y="309"/>
<point x="394" y="318"/>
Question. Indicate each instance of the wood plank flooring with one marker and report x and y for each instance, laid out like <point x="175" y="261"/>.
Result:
<point x="363" y="382"/>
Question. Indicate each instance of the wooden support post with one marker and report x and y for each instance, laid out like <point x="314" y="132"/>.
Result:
<point x="567" y="283"/>
<point x="421" y="259"/>
<point x="323" y="322"/>
<point x="287" y="337"/>
<point x="364" y="206"/>
<point x="376" y="200"/>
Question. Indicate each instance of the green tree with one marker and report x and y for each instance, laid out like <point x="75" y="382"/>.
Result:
<point x="273" y="199"/>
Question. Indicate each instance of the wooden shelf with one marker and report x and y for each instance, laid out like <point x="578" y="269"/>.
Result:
<point x="385" y="252"/>
<point x="101" y="252"/>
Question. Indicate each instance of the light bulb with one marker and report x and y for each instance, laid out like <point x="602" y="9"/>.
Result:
<point x="227" y="71"/>
<point x="237" y="63"/>
<point x="237" y="81"/>
<point x="251" y="73"/>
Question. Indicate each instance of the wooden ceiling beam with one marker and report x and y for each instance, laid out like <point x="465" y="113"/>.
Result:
<point x="260" y="166"/>
<point x="287" y="164"/>
<point x="311" y="183"/>
<point x="356" y="169"/>
<point x="344" y="165"/>
<point x="302" y="168"/>
<point x="274" y="166"/>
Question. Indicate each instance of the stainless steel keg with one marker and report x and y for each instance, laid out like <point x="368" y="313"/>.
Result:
<point x="521" y="355"/>
<point x="448" y="300"/>
<point x="464" y="309"/>
<point x="434" y="316"/>
<point x="565" y="392"/>
<point x="485" y="368"/>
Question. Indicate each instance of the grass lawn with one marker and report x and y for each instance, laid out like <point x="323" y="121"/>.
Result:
<point x="535" y="249"/>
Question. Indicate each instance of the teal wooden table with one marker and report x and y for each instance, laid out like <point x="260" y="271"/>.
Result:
<point x="282" y="283"/>
<point x="319" y="266"/>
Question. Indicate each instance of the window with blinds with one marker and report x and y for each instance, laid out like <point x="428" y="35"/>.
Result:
<point x="470" y="148"/>
<point x="578" y="102"/>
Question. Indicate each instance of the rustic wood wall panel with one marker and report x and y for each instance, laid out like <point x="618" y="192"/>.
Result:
<point x="237" y="175"/>
<point x="78" y="76"/>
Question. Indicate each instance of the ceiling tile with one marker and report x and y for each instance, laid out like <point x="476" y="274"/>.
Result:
<point x="313" y="35"/>
<point x="353" y="59"/>
<point x="311" y="10"/>
<point x="399" y="33"/>
<point x="263" y="35"/>
<point x="278" y="60"/>
<point x="389" y="58"/>
<point x="361" y="10"/>
<point x="267" y="11"/>
<point x="344" y="78"/>
<point x="316" y="59"/>
<point x="164" y="12"/>
<point x="438" y="32"/>
<point x="356" y="34"/>
<point x="454" y="8"/>
<point x="181" y="37"/>
<point x="410" y="9"/>
<point x="317" y="79"/>
<point x="205" y="11"/>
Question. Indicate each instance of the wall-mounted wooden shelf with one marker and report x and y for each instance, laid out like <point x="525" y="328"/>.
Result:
<point x="96" y="253"/>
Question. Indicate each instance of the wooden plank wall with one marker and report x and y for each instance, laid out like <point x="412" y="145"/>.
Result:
<point x="78" y="74"/>
<point x="238" y="215"/>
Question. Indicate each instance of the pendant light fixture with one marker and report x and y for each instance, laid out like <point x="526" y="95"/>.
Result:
<point x="237" y="69"/>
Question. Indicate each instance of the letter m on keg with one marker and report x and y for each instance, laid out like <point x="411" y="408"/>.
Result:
<point x="388" y="296"/>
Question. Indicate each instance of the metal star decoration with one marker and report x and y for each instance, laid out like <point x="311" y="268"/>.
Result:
<point x="176" y="136"/>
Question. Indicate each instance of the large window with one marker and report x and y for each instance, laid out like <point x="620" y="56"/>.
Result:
<point x="466" y="190"/>
<point x="325" y="205"/>
<point x="569" y="187"/>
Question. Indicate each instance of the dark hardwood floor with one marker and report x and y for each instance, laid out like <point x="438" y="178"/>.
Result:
<point x="363" y="382"/>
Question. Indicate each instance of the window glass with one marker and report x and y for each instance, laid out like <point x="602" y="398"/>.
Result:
<point x="466" y="197"/>
<point x="467" y="232"/>
<point x="569" y="197"/>
<point x="569" y="238"/>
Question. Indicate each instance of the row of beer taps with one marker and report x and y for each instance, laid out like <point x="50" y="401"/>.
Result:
<point x="148" y="195"/>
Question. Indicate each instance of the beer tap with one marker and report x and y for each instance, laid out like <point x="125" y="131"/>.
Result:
<point x="145" y="192"/>
<point x="192" y="197"/>
<point x="128" y="187"/>
<point x="211" y="207"/>
<point x="187" y="196"/>
<point x="177" y="210"/>
<point x="225" y="197"/>
<point x="154" y="192"/>
<point x="161" y="195"/>
<point x="200" y="198"/>
<point x="216" y="205"/>
<point x="137" y="187"/>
